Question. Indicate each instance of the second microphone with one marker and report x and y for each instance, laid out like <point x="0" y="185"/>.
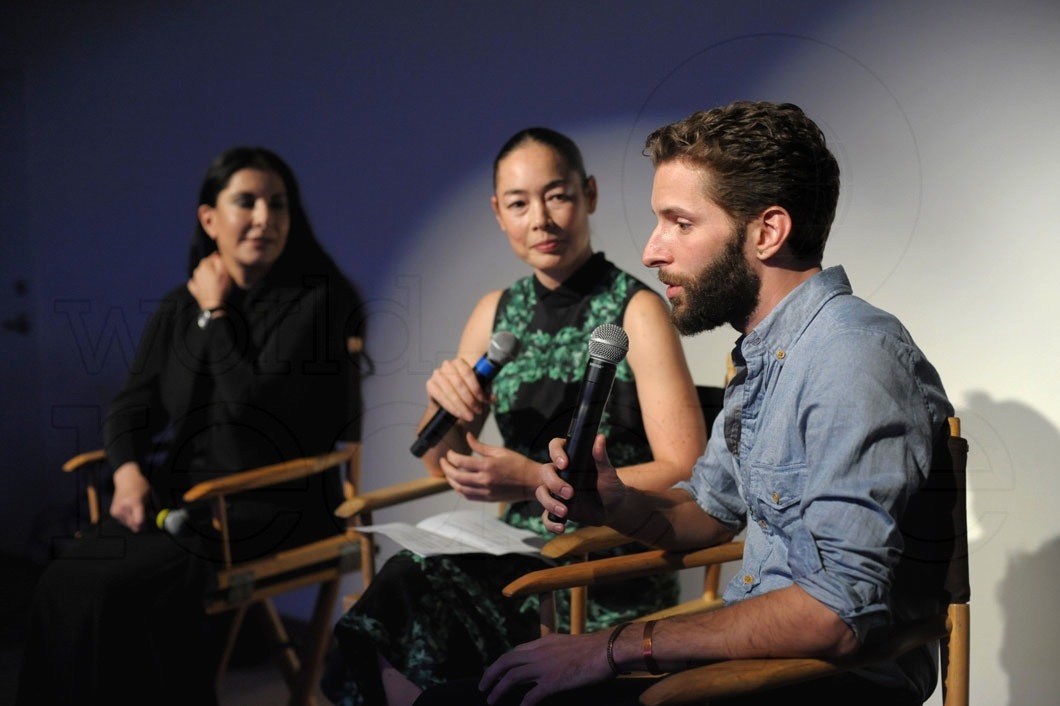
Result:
<point x="503" y="347"/>
<point x="607" y="348"/>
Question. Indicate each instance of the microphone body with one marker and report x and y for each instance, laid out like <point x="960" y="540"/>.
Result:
<point x="607" y="347"/>
<point x="503" y="347"/>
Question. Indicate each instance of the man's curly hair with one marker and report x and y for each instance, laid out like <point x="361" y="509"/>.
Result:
<point x="757" y="155"/>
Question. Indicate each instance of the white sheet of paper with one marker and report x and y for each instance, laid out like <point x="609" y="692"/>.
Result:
<point x="460" y="532"/>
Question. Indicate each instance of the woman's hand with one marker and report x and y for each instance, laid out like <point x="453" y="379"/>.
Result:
<point x="552" y="664"/>
<point x="455" y="387"/>
<point x="490" y="473"/>
<point x="131" y="492"/>
<point x="210" y="282"/>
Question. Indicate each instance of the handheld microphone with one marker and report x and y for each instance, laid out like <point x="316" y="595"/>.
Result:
<point x="175" y="522"/>
<point x="607" y="347"/>
<point x="503" y="347"/>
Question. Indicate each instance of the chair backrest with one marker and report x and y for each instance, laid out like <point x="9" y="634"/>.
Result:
<point x="955" y="650"/>
<point x="712" y="400"/>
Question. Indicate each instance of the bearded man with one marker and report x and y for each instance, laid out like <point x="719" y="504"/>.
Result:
<point x="829" y="427"/>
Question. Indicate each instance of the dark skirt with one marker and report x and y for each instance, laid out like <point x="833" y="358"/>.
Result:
<point x="118" y="618"/>
<point x="442" y="618"/>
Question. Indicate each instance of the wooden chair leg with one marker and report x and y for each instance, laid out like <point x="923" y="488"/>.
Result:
<point x="316" y="643"/>
<point x="289" y="662"/>
<point x="230" y="644"/>
<point x="711" y="579"/>
<point x="955" y="659"/>
<point x="548" y="612"/>
<point x="579" y="596"/>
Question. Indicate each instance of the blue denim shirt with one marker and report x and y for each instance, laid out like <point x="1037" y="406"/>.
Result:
<point x="827" y="429"/>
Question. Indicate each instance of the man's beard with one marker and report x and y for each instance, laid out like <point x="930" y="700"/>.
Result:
<point x="724" y="292"/>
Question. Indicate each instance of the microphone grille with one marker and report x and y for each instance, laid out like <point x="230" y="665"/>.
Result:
<point x="609" y="343"/>
<point x="503" y="347"/>
<point x="173" y="521"/>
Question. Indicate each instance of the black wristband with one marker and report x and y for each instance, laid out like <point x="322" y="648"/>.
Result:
<point x="611" y="649"/>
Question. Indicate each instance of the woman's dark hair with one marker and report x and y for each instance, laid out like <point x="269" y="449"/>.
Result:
<point x="550" y="138"/>
<point x="760" y="155"/>
<point x="302" y="255"/>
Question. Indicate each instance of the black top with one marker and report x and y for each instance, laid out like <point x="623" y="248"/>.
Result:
<point x="270" y="381"/>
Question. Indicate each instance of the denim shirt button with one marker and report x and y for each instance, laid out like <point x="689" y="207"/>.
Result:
<point x="748" y="579"/>
<point x="776" y="498"/>
<point x="781" y="354"/>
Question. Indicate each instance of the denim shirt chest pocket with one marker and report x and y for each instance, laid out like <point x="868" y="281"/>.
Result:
<point x="776" y="495"/>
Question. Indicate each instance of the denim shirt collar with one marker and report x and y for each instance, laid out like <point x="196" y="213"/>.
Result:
<point x="783" y="326"/>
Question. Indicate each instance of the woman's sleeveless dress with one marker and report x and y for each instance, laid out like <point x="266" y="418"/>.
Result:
<point x="444" y="617"/>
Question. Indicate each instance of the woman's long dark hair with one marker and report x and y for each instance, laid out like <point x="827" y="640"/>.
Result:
<point x="302" y="255"/>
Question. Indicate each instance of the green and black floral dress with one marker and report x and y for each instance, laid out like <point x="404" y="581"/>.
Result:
<point x="444" y="617"/>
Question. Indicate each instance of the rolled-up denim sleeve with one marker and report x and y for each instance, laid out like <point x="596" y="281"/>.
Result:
<point x="713" y="483"/>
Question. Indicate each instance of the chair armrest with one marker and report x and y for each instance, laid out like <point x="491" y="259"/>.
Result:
<point x="268" y="475"/>
<point x="392" y="495"/>
<point x="742" y="676"/>
<point x="733" y="677"/>
<point x="617" y="568"/>
<point x="80" y="460"/>
<point x="92" y="462"/>
<point x="583" y="541"/>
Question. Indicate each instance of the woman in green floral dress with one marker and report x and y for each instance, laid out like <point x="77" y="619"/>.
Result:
<point x="424" y="621"/>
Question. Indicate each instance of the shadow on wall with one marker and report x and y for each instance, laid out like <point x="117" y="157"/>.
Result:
<point x="1012" y="473"/>
<point x="1031" y="624"/>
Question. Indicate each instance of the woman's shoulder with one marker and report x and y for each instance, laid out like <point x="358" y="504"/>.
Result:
<point x="175" y="300"/>
<point x="619" y="288"/>
<point x="330" y="288"/>
<point x="178" y="292"/>
<point x="173" y="308"/>
<point x="631" y="282"/>
<point x="645" y="310"/>
<point x="486" y="308"/>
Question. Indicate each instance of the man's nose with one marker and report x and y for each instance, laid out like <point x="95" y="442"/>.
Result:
<point x="653" y="255"/>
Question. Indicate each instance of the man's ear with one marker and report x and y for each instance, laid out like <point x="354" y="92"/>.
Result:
<point x="774" y="227"/>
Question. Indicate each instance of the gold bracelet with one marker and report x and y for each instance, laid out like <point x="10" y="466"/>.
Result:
<point x="611" y="649"/>
<point x="646" y="649"/>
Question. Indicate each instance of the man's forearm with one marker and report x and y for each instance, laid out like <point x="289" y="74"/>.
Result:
<point x="784" y="623"/>
<point x="668" y="519"/>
